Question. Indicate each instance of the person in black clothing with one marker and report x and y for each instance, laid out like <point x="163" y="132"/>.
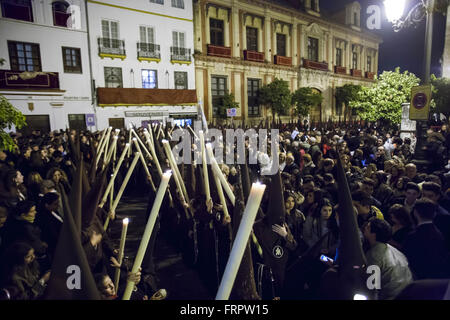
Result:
<point x="49" y="220"/>
<point x="401" y="223"/>
<point x="425" y="247"/>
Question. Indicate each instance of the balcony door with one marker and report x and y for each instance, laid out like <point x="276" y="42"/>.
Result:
<point x="281" y="44"/>
<point x="110" y="33"/>
<point x="36" y="122"/>
<point x="252" y="39"/>
<point x="216" y="32"/>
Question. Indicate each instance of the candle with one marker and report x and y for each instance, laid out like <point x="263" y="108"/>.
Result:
<point x="174" y="167"/>
<point x="217" y="182"/>
<point x="123" y="237"/>
<point x="103" y="145"/>
<point x="111" y="150"/>
<point x="125" y="181"/>
<point x="205" y="165"/>
<point x="101" y="140"/>
<point x="223" y="180"/>
<point x="240" y="242"/>
<point x="148" y="231"/>
<point x="144" y="164"/>
<point x="130" y="127"/>
<point x="116" y="170"/>
<point x="111" y="194"/>
<point x="140" y="142"/>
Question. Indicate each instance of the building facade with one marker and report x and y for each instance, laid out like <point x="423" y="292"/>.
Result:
<point x="93" y="64"/>
<point x="241" y="45"/>
<point x="446" y="58"/>
<point x="46" y="73"/>
<point x="142" y="60"/>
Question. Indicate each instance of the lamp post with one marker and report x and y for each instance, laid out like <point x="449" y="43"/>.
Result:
<point x="424" y="9"/>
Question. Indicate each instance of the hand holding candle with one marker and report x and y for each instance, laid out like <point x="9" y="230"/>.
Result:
<point x="121" y="251"/>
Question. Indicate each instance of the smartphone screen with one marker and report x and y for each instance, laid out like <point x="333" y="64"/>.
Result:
<point x="324" y="258"/>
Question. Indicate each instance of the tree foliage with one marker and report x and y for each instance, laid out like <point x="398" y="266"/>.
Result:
<point x="304" y="99"/>
<point x="441" y="94"/>
<point x="227" y="102"/>
<point x="384" y="100"/>
<point x="347" y="93"/>
<point x="277" y="96"/>
<point x="9" y="116"/>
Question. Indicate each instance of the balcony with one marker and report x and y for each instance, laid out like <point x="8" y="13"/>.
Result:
<point x="282" y="61"/>
<point x="370" y="75"/>
<point x="180" y="55"/>
<point x="148" y="52"/>
<point x="340" y="70"/>
<point x="309" y="64"/>
<point x="253" y="56"/>
<point x="219" y="51"/>
<point x="26" y="80"/>
<point x="111" y="48"/>
<point x="356" y="73"/>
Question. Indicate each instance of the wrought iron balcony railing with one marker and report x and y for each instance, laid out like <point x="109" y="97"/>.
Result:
<point x="148" y="51"/>
<point x="180" y="54"/>
<point x="111" y="48"/>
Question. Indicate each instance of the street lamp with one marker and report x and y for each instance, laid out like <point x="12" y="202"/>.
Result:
<point x="424" y="9"/>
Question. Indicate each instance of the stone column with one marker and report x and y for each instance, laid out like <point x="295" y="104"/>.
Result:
<point x="446" y="63"/>
<point x="294" y="44"/>
<point x="236" y="45"/>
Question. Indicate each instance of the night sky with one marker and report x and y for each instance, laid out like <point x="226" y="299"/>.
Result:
<point x="405" y="48"/>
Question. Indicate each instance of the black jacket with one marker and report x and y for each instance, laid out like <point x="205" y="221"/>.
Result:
<point x="425" y="249"/>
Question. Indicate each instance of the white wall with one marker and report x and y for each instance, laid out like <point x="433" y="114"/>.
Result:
<point x="77" y="96"/>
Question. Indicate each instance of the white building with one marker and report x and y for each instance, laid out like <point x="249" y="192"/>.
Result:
<point x="142" y="60"/>
<point x="91" y="64"/>
<point x="46" y="74"/>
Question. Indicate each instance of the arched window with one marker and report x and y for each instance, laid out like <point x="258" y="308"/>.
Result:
<point x="17" y="9"/>
<point x="60" y="15"/>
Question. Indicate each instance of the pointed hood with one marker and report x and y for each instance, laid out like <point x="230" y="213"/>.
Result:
<point x="276" y="210"/>
<point x="92" y="199"/>
<point x="76" y="194"/>
<point x="69" y="252"/>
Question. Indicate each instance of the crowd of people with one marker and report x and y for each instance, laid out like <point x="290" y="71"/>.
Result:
<point x="402" y="212"/>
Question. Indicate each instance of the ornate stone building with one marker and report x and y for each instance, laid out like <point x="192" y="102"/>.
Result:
<point x="241" y="45"/>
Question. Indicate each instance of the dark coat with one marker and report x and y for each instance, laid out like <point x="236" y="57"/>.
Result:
<point x="425" y="249"/>
<point x="50" y="227"/>
<point x="17" y="229"/>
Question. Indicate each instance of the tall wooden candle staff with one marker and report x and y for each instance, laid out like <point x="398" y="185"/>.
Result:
<point x="121" y="250"/>
<point x="240" y="242"/>
<point x="148" y="232"/>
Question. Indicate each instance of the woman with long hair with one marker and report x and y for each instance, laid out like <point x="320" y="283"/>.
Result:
<point x="13" y="188"/>
<point x="20" y="270"/>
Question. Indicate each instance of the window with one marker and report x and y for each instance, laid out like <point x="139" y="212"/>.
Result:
<point x="77" y="121"/>
<point x="157" y="1"/>
<point x="147" y="34"/>
<point x="149" y="79"/>
<point x="252" y="94"/>
<point x="216" y="32"/>
<point x="24" y="56"/>
<point x="17" y="9"/>
<point x="71" y="60"/>
<point x="339" y="57"/>
<point x="178" y="4"/>
<point x="369" y="63"/>
<point x="355" y="61"/>
<point x="110" y="29"/>
<point x="178" y="39"/>
<point x="60" y="15"/>
<point x="281" y="44"/>
<point x="355" y="19"/>
<point x="181" y="81"/>
<point x="218" y="90"/>
<point x="113" y="77"/>
<point x="313" y="49"/>
<point x="116" y="123"/>
<point x="252" y="39"/>
<point x="313" y="5"/>
<point x="34" y="123"/>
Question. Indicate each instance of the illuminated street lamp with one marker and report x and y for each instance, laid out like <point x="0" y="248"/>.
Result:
<point x="424" y="9"/>
<point x="394" y="9"/>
